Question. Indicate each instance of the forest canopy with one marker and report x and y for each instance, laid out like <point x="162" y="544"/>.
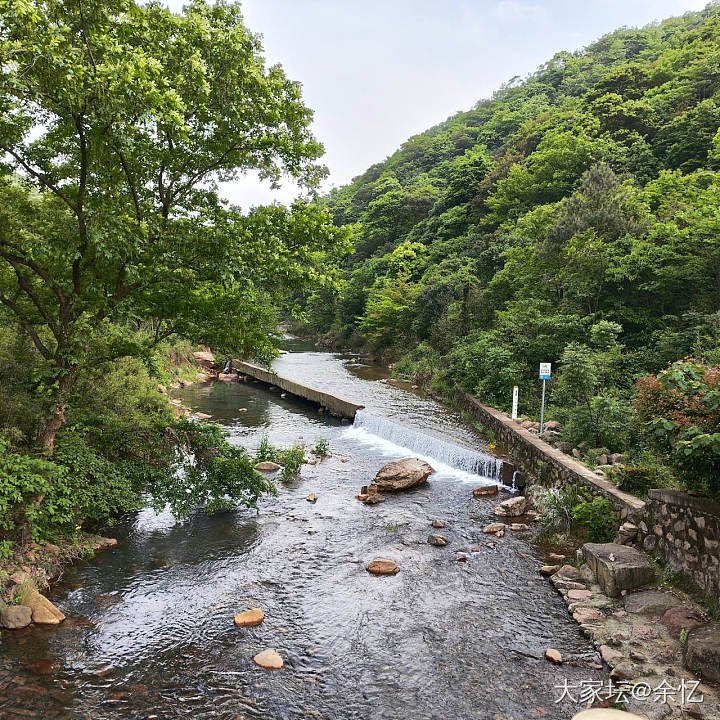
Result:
<point x="118" y="120"/>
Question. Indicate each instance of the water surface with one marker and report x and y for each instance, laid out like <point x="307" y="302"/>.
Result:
<point x="150" y="630"/>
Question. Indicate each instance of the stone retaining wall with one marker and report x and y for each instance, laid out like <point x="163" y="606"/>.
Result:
<point x="681" y="528"/>
<point x="557" y="469"/>
<point x="685" y="530"/>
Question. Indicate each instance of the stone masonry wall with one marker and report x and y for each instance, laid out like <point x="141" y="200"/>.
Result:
<point x="682" y="528"/>
<point x="685" y="530"/>
<point x="557" y="469"/>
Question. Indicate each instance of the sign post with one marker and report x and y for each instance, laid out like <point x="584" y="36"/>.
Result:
<point x="545" y="372"/>
<point x="515" y="402"/>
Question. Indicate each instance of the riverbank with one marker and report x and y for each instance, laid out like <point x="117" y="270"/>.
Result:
<point x="660" y="646"/>
<point x="32" y="568"/>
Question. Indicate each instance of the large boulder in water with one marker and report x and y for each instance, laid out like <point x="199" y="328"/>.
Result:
<point x="402" y="474"/>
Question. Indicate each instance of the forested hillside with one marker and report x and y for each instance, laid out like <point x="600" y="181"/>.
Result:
<point x="574" y="217"/>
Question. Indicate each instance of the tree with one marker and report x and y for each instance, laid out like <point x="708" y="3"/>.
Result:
<point x="587" y="389"/>
<point x="117" y="120"/>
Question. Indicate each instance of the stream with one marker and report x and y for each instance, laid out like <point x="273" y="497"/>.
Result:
<point x="150" y="630"/>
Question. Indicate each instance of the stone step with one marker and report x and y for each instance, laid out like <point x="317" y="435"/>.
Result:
<point x="618" y="567"/>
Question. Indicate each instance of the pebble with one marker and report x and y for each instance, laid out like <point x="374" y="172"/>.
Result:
<point x="437" y="540"/>
<point x="554" y="656"/>
<point x="494" y="528"/>
<point x="312" y="498"/>
<point x="549" y="569"/>
<point x="250" y="618"/>
<point x="438" y="524"/>
<point x="269" y="659"/>
<point x="382" y="567"/>
<point x="485" y="491"/>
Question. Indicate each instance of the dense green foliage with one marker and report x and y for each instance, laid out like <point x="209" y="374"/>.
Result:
<point x="117" y="121"/>
<point x="121" y="448"/>
<point x="572" y="514"/>
<point x="571" y="218"/>
<point x="680" y="408"/>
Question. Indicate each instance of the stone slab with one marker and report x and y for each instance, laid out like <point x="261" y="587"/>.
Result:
<point x="337" y="405"/>
<point x="651" y="602"/>
<point x="618" y="567"/>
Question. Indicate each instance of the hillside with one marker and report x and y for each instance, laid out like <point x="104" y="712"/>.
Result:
<point x="573" y="212"/>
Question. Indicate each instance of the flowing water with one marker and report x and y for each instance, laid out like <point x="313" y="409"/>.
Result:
<point x="150" y="628"/>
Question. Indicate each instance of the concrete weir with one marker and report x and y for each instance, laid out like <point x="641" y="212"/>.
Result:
<point x="338" y="406"/>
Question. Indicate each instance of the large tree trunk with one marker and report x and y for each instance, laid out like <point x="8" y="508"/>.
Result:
<point x="49" y="427"/>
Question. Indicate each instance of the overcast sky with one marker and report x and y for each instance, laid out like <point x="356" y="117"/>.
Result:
<point x="378" y="71"/>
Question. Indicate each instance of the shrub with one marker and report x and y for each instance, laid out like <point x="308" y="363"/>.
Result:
<point x="322" y="447"/>
<point x="572" y="512"/>
<point x="596" y="519"/>
<point x="291" y="459"/>
<point x="557" y="506"/>
<point x="638" y="479"/>
<point x="680" y="409"/>
<point x="266" y="452"/>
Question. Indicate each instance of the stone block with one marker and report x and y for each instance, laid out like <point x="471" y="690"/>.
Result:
<point x="15" y="617"/>
<point x="618" y="567"/>
<point x="702" y="651"/>
<point x="651" y="602"/>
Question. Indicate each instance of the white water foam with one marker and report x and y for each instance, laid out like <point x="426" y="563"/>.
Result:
<point x="393" y="440"/>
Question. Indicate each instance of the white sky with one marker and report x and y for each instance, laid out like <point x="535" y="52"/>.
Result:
<point x="378" y="71"/>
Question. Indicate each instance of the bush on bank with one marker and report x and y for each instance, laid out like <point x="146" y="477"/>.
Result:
<point x="122" y="448"/>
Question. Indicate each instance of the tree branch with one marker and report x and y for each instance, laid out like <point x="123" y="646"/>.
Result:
<point x="131" y="184"/>
<point x="39" y="176"/>
<point x="80" y="212"/>
<point x="26" y="286"/>
<point x="27" y="326"/>
<point x="38" y="269"/>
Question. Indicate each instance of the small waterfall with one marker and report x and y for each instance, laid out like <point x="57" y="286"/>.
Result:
<point x="456" y="456"/>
